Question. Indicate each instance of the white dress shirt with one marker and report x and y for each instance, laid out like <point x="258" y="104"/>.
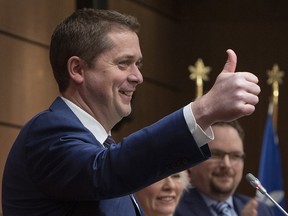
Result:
<point x="201" y="137"/>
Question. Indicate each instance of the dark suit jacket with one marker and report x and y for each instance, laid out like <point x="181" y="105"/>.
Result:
<point x="192" y="204"/>
<point x="57" y="167"/>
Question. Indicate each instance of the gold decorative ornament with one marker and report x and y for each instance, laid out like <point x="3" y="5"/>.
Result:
<point x="199" y="72"/>
<point x="275" y="76"/>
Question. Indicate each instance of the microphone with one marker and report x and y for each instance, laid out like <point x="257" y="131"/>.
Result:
<point x="258" y="186"/>
<point x="255" y="183"/>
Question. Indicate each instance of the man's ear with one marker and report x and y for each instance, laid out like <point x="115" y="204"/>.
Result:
<point x="76" y="67"/>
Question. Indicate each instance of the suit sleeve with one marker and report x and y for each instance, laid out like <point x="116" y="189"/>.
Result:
<point x="66" y="161"/>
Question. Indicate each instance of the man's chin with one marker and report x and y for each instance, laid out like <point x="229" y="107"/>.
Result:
<point x="127" y="113"/>
<point x="223" y="187"/>
<point x="223" y="192"/>
<point x="125" y="110"/>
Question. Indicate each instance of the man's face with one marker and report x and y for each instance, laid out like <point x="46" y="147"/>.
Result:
<point x="219" y="176"/>
<point x="110" y="83"/>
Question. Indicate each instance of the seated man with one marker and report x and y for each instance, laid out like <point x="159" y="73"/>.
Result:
<point x="214" y="181"/>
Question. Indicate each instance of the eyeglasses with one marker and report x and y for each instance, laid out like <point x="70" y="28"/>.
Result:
<point x="234" y="157"/>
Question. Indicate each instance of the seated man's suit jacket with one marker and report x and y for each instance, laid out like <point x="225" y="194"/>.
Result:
<point x="57" y="167"/>
<point x="192" y="204"/>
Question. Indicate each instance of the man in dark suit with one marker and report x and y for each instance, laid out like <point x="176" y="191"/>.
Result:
<point x="214" y="181"/>
<point x="61" y="163"/>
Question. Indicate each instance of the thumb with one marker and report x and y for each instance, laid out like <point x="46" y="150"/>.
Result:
<point x="231" y="62"/>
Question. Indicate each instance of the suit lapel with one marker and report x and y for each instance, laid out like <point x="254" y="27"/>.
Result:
<point x="193" y="200"/>
<point x="136" y="205"/>
<point x="238" y="204"/>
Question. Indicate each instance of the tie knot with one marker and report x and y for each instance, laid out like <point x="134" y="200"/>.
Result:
<point x="109" y="141"/>
<point x="221" y="208"/>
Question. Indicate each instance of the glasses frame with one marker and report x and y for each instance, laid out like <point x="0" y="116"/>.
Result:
<point x="234" y="156"/>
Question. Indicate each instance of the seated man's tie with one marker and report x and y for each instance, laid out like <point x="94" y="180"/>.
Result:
<point x="221" y="208"/>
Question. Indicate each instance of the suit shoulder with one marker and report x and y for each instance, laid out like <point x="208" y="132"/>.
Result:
<point x="263" y="209"/>
<point x="242" y="197"/>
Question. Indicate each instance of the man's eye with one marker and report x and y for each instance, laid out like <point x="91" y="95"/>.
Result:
<point x="123" y="64"/>
<point x="127" y="63"/>
<point x="237" y="156"/>
<point x="139" y="65"/>
<point x="216" y="155"/>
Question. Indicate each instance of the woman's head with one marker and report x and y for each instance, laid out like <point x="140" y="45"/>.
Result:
<point x="162" y="197"/>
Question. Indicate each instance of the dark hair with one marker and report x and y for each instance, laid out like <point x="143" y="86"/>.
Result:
<point x="236" y="125"/>
<point x="84" y="34"/>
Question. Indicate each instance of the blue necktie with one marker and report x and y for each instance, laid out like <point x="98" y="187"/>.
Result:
<point x="106" y="143"/>
<point x="221" y="208"/>
<point x="109" y="141"/>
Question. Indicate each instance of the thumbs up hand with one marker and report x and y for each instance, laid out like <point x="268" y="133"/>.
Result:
<point x="233" y="95"/>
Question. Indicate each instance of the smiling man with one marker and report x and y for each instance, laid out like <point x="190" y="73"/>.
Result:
<point x="215" y="181"/>
<point x="64" y="162"/>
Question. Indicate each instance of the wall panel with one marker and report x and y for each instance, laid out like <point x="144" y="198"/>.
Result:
<point x="26" y="85"/>
<point x="27" y="80"/>
<point x="33" y="19"/>
<point x="8" y="135"/>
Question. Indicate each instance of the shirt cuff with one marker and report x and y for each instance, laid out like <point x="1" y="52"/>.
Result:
<point x="201" y="137"/>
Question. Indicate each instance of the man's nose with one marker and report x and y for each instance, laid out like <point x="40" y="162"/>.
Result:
<point x="135" y="75"/>
<point x="226" y="160"/>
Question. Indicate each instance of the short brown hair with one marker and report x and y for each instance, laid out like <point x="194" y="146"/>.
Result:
<point x="83" y="34"/>
<point x="236" y="125"/>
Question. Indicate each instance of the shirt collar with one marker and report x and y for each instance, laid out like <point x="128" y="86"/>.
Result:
<point x="88" y="121"/>
<point x="210" y="201"/>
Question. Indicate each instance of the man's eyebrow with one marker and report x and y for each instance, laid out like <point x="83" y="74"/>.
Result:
<point x="130" y="57"/>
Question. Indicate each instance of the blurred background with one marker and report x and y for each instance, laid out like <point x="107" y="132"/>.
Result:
<point x="174" y="34"/>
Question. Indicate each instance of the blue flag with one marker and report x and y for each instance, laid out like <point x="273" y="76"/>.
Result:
<point x="270" y="170"/>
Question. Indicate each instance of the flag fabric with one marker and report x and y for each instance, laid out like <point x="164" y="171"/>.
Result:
<point x="270" y="169"/>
